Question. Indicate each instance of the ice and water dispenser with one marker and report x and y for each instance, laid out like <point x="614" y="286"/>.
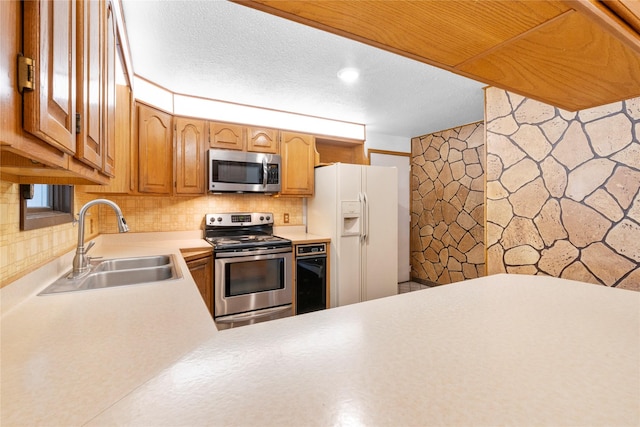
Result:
<point x="351" y="218"/>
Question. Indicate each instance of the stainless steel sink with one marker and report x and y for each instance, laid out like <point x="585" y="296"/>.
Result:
<point x="119" y="272"/>
<point x="132" y="263"/>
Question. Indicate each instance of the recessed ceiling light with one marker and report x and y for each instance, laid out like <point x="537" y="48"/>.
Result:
<point x="348" y="75"/>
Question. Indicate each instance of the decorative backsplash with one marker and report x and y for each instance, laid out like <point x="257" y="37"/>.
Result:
<point x="22" y="251"/>
<point x="447" y="205"/>
<point x="563" y="190"/>
<point x="148" y="214"/>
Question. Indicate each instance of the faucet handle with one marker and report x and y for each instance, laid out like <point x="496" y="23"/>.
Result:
<point x="89" y="246"/>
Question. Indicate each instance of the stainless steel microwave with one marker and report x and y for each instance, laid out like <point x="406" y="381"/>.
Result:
<point x="242" y="172"/>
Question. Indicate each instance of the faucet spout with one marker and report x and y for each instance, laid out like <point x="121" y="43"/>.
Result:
<point x="80" y="260"/>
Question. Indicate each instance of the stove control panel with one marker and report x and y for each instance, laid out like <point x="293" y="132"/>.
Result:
<point x="238" y="219"/>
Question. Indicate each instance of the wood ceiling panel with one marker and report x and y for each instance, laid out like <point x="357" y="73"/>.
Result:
<point x="628" y="10"/>
<point x="573" y="54"/>
<point x="557" y="61"/>
<point x="443" y="33"/>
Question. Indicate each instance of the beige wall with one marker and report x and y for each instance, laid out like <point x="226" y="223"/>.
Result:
<point x="447" y="205"/>
<point x="563" y="190"/>
<point x="22" y="251"/>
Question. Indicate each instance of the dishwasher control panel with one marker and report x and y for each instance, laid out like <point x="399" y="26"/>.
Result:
<point x="311" y="249"/>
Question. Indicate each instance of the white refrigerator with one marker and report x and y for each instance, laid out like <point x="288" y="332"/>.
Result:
<point x="357" y="206"/>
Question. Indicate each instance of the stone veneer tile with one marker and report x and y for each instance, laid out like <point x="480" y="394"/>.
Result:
<point x="609" y="135"/>
<point x="602" y="201"/>
<point x="555" y="176"/>
<point x="523" y="172"/>
<point x="528" y="200"/>
<point x="448" y="179"/>
<point x="624" y="238"/>
<point x="557" y="257"/>
<point x="573" y="148"/>
<point x="584" y="225"/>
<point x="624" y="185"/>
<point x="584" y="179"/>
<point x="584" y="221"/>
<point x="608" y="265"/>
<point x="532" y="141"/>
<point x="554" y="129"/>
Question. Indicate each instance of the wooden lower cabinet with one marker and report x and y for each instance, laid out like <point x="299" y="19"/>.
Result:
<point x="200" y="265"/>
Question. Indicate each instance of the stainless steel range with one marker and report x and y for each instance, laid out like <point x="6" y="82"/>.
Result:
<point x="252" y="269"/>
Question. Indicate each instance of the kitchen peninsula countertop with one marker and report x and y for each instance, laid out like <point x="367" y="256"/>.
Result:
<point x="504" y="349"/>
<point x="67" y="357"/>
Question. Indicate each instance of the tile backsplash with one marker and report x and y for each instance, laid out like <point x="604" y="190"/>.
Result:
<point x="149" y="214"/>
<point x="22" y="251"/>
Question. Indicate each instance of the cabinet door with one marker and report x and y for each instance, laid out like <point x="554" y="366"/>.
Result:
<point x="262" y="140"/>
<point x="225" y="135"/>
<point x="190" y="149"/>
<point x="121" y="183"/>
<point x="298" y="159"/>
<point x="90" y="26"/>
<point x="109" y="87"/>
<point x="201" y="270"/>
<point x="154" y="151"/>
<point x="50" y="39"/>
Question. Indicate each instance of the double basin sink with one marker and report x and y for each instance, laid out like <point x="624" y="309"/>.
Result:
<point x="119" y="272"/>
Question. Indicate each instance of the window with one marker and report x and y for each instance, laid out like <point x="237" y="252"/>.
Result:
<point x="45" y="205"/>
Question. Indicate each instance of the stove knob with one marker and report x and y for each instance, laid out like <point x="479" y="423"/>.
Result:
<point x="268" y="218"/>
<point x="261" y="218"/>
<point x="219" y="219"/>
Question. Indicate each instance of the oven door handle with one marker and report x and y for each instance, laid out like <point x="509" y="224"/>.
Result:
<point x="243" y="317"/>
<point x="252" y="252"/>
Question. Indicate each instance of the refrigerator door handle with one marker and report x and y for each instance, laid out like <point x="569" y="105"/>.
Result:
<point x="362" y="229"/>
<point x="365" y="218"/>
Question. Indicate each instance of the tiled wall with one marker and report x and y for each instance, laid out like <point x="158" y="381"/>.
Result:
<point x="563" y="190"/>
<point x="145" y="214"/>
<point x="447" y="206"/>
<point x="22" y="251"/>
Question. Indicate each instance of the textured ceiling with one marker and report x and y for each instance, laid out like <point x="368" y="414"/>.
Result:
<point x="225" y="51"/>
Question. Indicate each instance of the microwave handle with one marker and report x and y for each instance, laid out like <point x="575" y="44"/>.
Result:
<point x="265" y="172"/>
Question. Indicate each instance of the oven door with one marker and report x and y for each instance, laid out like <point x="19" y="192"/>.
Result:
<point x="246" y="282"/>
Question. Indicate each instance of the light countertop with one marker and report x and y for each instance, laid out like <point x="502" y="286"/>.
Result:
<point x="67" y="357"/>
<point x="500" y="350"/>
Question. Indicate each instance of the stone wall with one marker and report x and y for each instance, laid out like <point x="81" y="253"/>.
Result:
<point x="562" y="190"/>
<point x="447" y="206"/>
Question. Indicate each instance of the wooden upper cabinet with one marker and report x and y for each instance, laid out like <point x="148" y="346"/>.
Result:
<point x="49" y="110"/>
<point x="261" y="140"/>
<point x="226" y="135"/>
<point x="190" y="156"/>
<point x="90" y="25"/>
<point x="155" y="150"/>
<point x="298" y="160"/>
<point x="109" y="88"/>
<point x="243" y="138"/>
<point x="574" y="54"/>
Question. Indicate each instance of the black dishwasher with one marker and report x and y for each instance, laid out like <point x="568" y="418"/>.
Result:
<point x="311" y="277"/>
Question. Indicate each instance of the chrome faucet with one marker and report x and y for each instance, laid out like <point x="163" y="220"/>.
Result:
<point x="81" y="260"/>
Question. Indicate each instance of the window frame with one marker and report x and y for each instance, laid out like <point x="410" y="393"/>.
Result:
<point x="61" y="211"/>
